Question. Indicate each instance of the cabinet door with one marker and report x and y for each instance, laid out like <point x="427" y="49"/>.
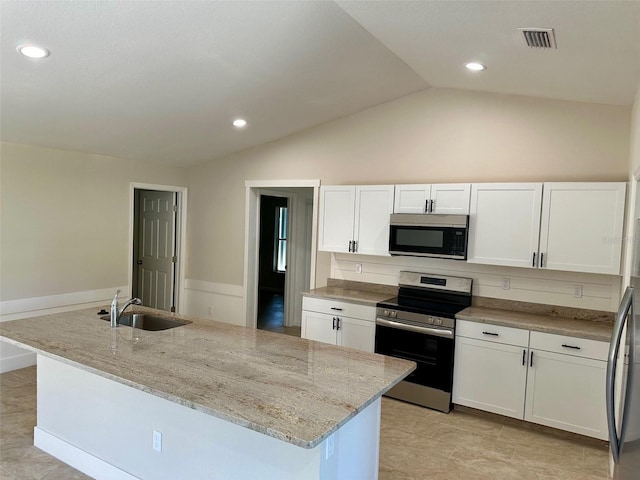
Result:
<point x="567" y="392"/>
<point x="374" y="204"/>
<point x="357" y="333"/>
<point x="319" y="327"/>
<point x="337" y="209"/>
<point x="490" y="376"/>
<point x="582" y="227"/>
<point x="411" y="198"/>
<point x="451" y="198"/>
<point x="504" y="224"/>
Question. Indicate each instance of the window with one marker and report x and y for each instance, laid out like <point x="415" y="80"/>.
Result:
<point x="280" y="254"/>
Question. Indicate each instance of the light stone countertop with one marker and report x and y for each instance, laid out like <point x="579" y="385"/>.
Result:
<point x="589" y="329"/>
<point x="292" y="389"/>
<point x="361" y="297"/>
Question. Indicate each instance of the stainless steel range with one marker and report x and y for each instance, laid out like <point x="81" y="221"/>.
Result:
<point x="419" y="325"/>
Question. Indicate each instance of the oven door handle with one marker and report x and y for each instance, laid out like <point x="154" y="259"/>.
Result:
<point x="436" y="332"/>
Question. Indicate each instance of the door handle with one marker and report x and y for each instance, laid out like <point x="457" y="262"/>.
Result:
<point x="139" y="262"/>
<point x="626" y="308"/>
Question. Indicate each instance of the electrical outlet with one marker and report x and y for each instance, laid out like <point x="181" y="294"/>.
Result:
<point x="577" y="291"/>
<point x="330" y="446"/>
<point x="157" y="441"/>
<point x="506" y="283"/>
<point x="358" y="268"/>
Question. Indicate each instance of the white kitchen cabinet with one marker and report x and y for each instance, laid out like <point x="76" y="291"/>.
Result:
<point x="582" y="226"/>
<point x="552" y="380"/>
<point x="355" y="219"/>
<point x="445" y="198"/>
<point x="566" y="390"/>
<point x="490" y="371"/>
<point x="339" y="323"/>
<point x="504" y="224"/>
<point x="573" y="227"/>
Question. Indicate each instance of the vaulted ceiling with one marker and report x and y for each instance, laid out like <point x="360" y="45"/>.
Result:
<point x="162" y="81"/>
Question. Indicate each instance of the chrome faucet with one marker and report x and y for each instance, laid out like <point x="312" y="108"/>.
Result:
<point x="115" y="313"/>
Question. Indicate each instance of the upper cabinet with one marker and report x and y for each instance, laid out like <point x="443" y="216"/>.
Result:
<point x="581" y="228"/>
<point x="355" y="219"/>
<point x="571" y="226"/>
<point x="504" y="224"/>
<point x="446" y="198"/>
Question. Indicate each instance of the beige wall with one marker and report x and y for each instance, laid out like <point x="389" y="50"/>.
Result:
<point x="436" y="135"/>
<point x="634" y="162"/>
<point x="65" y="219"/>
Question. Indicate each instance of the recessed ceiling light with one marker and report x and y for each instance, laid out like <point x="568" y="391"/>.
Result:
<point x="239" y="122"/>
<point x="33" y="51"/>
<point x="476" y="67"/>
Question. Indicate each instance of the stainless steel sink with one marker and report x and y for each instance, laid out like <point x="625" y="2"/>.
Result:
<point x="148" y="322"/>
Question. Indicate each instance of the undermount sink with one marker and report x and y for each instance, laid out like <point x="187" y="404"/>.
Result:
<point x="148" y="322"/>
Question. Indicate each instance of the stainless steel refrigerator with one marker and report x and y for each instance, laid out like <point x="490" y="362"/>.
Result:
<point x="623" y="398"/>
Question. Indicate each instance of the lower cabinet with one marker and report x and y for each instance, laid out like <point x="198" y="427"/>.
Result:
<point x="325" y="321"/>
<point x="543" y="378"/>
<point x="567" y="391"/>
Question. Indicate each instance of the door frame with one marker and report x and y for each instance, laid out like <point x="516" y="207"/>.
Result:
<point x="251" y="245"/>
<point x="181" y="235"/>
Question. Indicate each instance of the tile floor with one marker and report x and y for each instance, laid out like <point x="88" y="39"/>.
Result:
<point x="415" y="444"/>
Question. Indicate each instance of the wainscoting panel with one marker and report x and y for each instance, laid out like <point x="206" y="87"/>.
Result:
<point x="599" y="292"/>
<point x="217" y="301"/>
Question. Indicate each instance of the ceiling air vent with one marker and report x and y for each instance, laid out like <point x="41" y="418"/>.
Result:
<point x="539" y="37"/>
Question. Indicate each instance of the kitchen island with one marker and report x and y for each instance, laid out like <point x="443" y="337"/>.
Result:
<point x="226" y="402"/>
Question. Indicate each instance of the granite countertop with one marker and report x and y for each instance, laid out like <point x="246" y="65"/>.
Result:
<point x="589" y="329"/>
<point x="362" y="297"/>
<point x="292" y="389"/>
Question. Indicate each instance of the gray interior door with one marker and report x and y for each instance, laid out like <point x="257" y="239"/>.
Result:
<point x="156" y="249"/>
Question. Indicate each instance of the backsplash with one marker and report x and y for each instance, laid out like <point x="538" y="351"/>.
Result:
<point x="531" y="286"/>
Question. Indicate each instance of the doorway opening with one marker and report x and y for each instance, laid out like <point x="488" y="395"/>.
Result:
<point x="279" y="252"/>
<point x="272" y="263"/>
<point x="157" y="227"/>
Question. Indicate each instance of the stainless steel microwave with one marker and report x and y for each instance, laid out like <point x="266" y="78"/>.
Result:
<point x="440" y="236"/>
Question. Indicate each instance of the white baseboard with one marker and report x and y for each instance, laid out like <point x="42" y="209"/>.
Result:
<point x="16" y="362"/>
<point x="77" y="458"/>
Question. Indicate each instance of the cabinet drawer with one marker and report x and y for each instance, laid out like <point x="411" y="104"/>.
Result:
<point x="492" y="333"/>
<point x="579" y="347"/>
<point x="336" y="307"/>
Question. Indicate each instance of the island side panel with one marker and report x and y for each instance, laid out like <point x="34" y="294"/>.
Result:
<point x="104" y="429"/>
<point x="114" y="423"/>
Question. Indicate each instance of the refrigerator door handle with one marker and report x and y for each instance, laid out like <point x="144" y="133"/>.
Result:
<point x="626" y="307"/>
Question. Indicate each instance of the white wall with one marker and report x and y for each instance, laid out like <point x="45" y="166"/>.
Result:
<point x="65" y="229"/>
<point x="436" y="135"/>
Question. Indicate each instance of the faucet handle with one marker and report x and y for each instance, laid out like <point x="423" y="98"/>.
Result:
<point x="115" y="298"/>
